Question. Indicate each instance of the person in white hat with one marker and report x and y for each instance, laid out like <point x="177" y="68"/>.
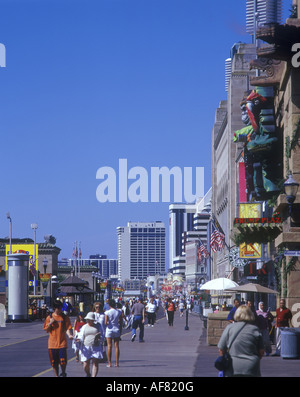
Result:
<point x="91" y="349"/>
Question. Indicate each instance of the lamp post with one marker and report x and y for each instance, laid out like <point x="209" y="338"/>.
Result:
<point x="53" y="280"/>
<point x="186" y="328"/>
<point x="96" y="277"/>
<point x="10" y="231"/>
<point x="291" y="189"/>
<point x="34" y="226"/>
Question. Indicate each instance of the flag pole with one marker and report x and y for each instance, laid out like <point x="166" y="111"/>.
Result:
<point x="79" y="257"/>
<point x="73" y="255"/>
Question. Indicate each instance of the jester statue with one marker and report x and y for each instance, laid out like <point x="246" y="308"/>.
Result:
<point x="261" y="152"/>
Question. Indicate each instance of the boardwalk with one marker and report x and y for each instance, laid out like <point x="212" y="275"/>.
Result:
<point x="175" y="352"/>
<point x="168" y="353"/>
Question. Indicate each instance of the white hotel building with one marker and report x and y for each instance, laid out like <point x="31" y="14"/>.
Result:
<point x="141" y="250"/>
<point x="187" y="223"/>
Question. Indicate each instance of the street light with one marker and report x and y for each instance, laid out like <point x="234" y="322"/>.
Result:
<point x="291" y="189"/>
<point x="34" y="226"/>
<point x="10" y="231"/>
<point x="53" y="280"/>
<point x="96" y="277"/>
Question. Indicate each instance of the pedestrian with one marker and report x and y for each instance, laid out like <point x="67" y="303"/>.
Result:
<point x="151" y="310"/>
<point x="283" y="319"/>
<point x="58" y="326"/>
<point x="106" y="305"/>
<point x="263" y="324"/>
<point x="67" y="307"/>
<point x="245" y="343"/>
<point x="99" y="316"/>
<point x="119" y="307"/>
<point x="251" y="306"/>
<point x="230" y="317"/>
<point x="192" y="305"/>
<point x="91" y="349"/>
<point x="138" y="313"/>
<point x="181" y="307"/>
<point x="79" y="322"/>
<point x="81" y="307"/>
<point x="113" y="319"/>
<point x="188" y="305"/>
<point x="127" y="314"/>
<point x="170" y="312"/>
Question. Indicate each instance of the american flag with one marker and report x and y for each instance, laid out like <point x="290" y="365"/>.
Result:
<point x="217" y="241"/>
<point x="199" y="255"/>
<point x="204" y="251"/>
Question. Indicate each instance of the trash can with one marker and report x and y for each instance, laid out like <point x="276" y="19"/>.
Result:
<point x="290" y="345"/>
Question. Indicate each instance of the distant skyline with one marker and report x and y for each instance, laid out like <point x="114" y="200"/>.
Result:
<point x="89" y="82"/>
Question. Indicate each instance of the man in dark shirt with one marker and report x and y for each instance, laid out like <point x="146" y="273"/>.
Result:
<point x="283" y="319"/>
<point x="138" y="312"/>
<point x="231" y="314"/>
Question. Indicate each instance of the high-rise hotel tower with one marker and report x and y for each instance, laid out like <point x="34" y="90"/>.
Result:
<point x="141" y="250"/>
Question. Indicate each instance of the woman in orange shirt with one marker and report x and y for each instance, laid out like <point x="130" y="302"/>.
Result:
<point x="170" y="310"/>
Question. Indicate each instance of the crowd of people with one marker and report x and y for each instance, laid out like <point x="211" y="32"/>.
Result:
<point x="95" y="334"/>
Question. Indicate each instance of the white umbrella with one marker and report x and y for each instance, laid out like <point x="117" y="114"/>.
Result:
<point x="219" y="284"/>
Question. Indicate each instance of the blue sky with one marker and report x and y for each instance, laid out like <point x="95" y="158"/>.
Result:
<point x="88" y="82"/>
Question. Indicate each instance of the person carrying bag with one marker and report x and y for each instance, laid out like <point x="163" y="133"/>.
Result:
<point x="244" y="342"/>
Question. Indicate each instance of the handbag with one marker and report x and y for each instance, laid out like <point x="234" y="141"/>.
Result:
<point x="224" y="362"/>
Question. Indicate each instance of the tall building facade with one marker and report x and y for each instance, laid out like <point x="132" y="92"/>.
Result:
<point x="107" y="267"/>
<point x="141" y="250"/>
<point x="261" y="12"/>
<point x="181" y="220"/>
<point x="226" y="157"/>
<point x="187" y="223"/>
<point x="230" y="168"/>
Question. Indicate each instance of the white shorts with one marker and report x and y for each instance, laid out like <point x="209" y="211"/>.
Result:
<point x="109" y="333"/>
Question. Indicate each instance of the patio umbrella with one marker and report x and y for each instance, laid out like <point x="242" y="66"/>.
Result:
<point x="251" y="287"/>
<point x="219" y="284"/>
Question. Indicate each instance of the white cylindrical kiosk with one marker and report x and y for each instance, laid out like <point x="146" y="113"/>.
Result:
<point x="17" y="287"/>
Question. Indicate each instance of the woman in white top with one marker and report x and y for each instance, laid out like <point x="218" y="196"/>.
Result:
<point x="113" y="320"/>
<point x="99" y="316"/>
<point x="91" y="348"/>
<point x="151" y="310"/>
